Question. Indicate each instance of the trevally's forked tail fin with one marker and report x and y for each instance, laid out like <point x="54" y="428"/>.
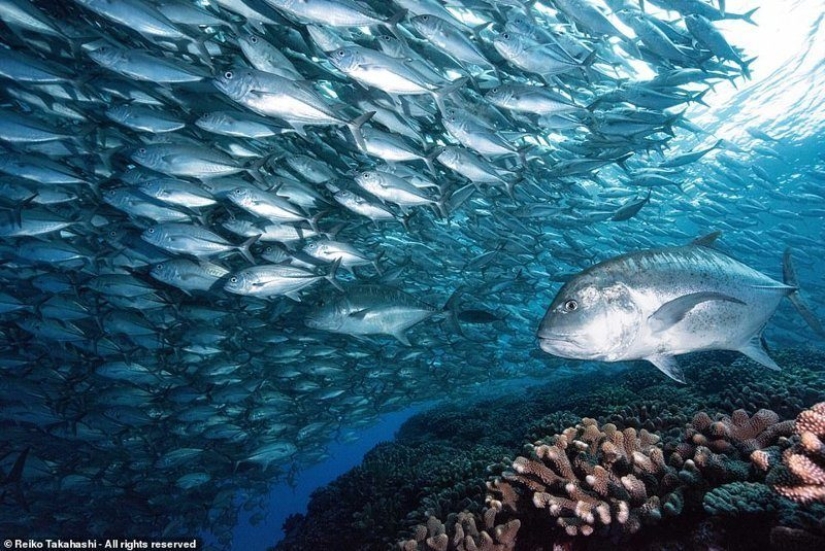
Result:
<point x="789" y="277"/>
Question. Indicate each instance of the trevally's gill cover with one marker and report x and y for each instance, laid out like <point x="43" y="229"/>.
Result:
<point x="233" y="230"/>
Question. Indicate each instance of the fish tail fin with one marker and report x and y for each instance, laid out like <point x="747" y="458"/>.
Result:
<point x="446" y="90"/>
<point x="511" y="186"/>
<point x="430" y="157"/>
<point x="451" y="309"/>
<point x="243" y="248"/>
<point x="331" y="275"/>
<point x="748" y="16"/>
<point x="789" y="277"/>
<point x="745" y="65"/>
<point x="392" y="24"/>
<point x="355" y="129"/>
<point x="699" y="98"/>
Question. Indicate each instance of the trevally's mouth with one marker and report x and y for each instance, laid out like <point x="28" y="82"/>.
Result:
<point x="555" y="341"/>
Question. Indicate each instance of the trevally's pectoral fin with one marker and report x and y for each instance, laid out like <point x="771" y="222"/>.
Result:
<point x="360" y="314"/>
<point x="668" y="365"/>
<point x="671" y="313"/>
<point x="754" y="350"/>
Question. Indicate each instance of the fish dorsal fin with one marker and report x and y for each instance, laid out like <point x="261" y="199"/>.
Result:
<point x="707" y="240"/>
<point x="671" y="313"/>
<point x="754" y="350"/>
<point x="668" y="365"/>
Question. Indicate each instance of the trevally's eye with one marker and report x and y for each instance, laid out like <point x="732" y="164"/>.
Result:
<point x="253" y="39"/>
<point x="228" y="75"/>
<point x="233" y="279"/>
<point x="571" y="306"/>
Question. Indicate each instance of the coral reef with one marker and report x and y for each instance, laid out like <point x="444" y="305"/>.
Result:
<point x="589" y="478"/>
<point x="620" y="462"/>
<point x="803" y="478"/>
<point x="741" y="498"/>
<point x="593" y="479"/>
<point x="463" y="533"/>
<point x="396" y="487"/>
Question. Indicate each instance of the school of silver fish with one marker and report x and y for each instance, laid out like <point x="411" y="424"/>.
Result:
<point x="224" y="223"/>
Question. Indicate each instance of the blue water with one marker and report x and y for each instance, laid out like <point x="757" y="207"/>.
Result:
<point x="287" y="499"/>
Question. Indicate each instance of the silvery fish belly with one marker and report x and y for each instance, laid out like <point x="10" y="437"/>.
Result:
<point x="660" y="303"/>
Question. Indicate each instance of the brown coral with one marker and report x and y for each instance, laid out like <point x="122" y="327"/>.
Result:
<point x="465" y="532"/>
<point x="735" y="433"/>
<point x="805" y="460"/>
<point x="591" y="477"/>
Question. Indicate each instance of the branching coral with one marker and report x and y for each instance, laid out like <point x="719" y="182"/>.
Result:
<point x="804" y="480"/>
<point x="721" y="449"/>
<point x="589" y="478"/>
<point x="601" y="479"/>
<point x="464" y="532"/>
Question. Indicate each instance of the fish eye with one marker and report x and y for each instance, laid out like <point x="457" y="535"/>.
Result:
<point x="253" y="39"/>
<point x="233" y="279"/>
<point x="425" y="18"/>
<point x="571" y="306"/>
<point x="506" y="36"/>
<point x="340" y="53"/>
<point x="142" y="150"/>
<point x="150" y="230"/>
<point x="228" y="75"/>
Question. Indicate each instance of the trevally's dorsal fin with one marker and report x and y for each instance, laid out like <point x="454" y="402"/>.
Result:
<point x="707" y="240"/>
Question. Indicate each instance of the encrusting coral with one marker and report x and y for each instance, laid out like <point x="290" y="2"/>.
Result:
<point x="804" y="479"/>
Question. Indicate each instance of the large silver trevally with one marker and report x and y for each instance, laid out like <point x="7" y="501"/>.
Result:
<point x="659" y="303"/>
